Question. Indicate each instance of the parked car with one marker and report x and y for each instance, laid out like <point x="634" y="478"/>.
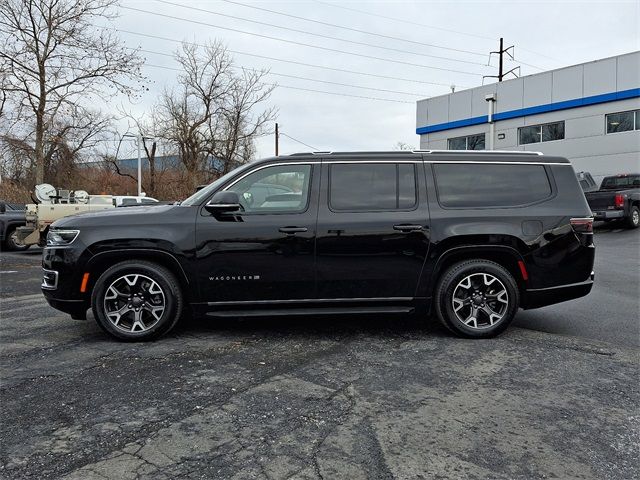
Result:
<point x="470" y="236"/>
<point x="132" y="201"/>
<point x="617" y="199"/>
<point x="12" y="216"/>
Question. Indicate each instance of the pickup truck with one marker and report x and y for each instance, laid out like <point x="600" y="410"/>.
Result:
<point x="12" y="216"/>
<point x="617" y="199"/>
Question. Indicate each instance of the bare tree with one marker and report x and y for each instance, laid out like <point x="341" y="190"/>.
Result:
<point x="212" y="113"/>
<point x="55" y="59"/>
<point x="403" y="146"/>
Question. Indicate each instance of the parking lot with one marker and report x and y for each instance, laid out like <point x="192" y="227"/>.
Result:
<point x="556" y="396"/>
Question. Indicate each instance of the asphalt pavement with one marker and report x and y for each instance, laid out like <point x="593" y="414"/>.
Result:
<point x="556" y="396"/>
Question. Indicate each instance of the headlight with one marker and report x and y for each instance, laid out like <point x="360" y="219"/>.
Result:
<point x="57" y="238"/>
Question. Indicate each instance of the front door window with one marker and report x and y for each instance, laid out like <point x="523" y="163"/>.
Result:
<point x="276" y="189"/>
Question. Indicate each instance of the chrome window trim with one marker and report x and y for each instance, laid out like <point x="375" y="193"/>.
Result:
<point x="329" y="161"/>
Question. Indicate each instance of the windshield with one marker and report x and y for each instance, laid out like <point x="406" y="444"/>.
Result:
<point x="610" y="183"/>
<point x="198" y="197"/>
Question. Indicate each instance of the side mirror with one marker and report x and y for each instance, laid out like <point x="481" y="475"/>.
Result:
<point x="223" y="202"/>
<point x="3" y="207"/>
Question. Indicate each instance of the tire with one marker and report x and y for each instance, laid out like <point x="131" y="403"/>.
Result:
<point x="11" y="242"/>
<point x="458" y="285"/>
<point x="633" y="220"/>
<point x="148" y="287"/>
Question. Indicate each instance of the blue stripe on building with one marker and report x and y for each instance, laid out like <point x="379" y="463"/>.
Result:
<point x="523" y="112"/>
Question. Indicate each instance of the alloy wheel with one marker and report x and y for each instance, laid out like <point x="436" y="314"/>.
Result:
<point x="480" y="300"/>
<point x="134" y="303"/>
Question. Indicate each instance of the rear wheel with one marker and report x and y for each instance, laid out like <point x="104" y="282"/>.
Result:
<point x="137" y="301"/>
<point x="12" y="243"/>
<point x="633" y="221"/>
<point x="477" y="298"/>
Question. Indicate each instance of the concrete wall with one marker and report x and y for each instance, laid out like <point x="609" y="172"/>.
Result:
<point x="586" y="142"/>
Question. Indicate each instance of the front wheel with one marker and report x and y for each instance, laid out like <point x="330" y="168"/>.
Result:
<point x="137" y="300"/>
<point x="476" y="298"/>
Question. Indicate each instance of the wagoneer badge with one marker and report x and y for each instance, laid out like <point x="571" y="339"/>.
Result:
<point x="224" y="278"/>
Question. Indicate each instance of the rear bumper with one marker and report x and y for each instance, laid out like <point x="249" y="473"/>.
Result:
<point x="541" y="297"/>
<point x="608" y="214"/>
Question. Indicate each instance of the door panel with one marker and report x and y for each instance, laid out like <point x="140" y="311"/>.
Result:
<point x="267" y="251"/>
<point x="373" y="230"/>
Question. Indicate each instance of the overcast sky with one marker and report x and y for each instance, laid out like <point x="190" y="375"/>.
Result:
<point x="546" y="35"/>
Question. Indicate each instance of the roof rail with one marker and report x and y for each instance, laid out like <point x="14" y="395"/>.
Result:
<point x="476" y="152"/>
<point x="299" y="154"/>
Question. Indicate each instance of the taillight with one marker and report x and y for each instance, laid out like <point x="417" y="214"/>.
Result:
<point x="582" y="225"/>
<point x="619" y="201"/>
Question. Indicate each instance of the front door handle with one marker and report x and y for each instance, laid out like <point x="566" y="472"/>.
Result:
<point x="292" y="230"/>
<point x="405" y="228"/>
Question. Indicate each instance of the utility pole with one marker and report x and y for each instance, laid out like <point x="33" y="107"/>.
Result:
<point x="277" y="139"/>
<point x="500" y="75"/>
<point x="139" y="141"/>
<point x="139" y="138"/>
<point x="501" y="52"/>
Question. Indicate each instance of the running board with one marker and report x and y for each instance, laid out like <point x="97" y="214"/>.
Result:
<point x="309" y="311"/>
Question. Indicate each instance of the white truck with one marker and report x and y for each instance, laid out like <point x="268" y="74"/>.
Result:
<point x="55" y="204"/>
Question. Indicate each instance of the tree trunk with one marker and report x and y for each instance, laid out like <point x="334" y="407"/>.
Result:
<point x="39" y="149"/>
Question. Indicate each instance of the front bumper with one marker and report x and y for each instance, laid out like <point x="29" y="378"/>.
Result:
<point x="608" y="214"/>
<point x="63" y="268"/>
<point x="76" y="308"/>
<point x="541" y="297"/>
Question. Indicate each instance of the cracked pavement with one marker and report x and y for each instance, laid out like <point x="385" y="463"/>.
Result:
<point x="358" y="397"/>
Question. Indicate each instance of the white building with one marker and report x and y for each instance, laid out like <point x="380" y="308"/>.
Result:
<point x="589" y="113"/>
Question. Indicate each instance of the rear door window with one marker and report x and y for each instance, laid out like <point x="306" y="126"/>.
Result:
<point x="359" y="187"/>
<point x="463" y="185"/>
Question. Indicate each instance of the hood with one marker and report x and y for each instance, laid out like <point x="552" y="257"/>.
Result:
<point x="118" y="215"/>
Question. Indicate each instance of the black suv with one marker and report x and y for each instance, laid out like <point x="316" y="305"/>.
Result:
<point x="472" y="236"/>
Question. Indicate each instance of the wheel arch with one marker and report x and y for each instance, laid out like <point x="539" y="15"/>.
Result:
<point x="504" y="255"/>
<point x="101" y="261"/>
<point x="9" y="225"/>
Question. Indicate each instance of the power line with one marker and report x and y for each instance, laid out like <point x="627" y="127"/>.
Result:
<point x="304" y="78"/>
<point x="294" y="62"/>
<point x="402" y="20"/>
<point x="301" y="143"/>
<point x="329" y="37"/>
<point x="539" y="54"/>
<point x="410" y="22"/>
<point x="293" y="42"/>
<point x="301" y="88"/>
<point x="390" y="37"/>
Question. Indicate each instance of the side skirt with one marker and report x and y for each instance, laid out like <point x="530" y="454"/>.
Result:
<point x="304" y="307"/>
<point x="270" y="312"/>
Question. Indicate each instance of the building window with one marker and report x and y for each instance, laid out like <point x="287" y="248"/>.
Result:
<point x="470" y="142"/>
<point x="541" y="133"/>
<point x="623" y="121"/>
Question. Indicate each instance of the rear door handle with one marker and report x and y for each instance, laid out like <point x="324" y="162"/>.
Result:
<point x="405" y="228"/>
<point x="292" y="230"/>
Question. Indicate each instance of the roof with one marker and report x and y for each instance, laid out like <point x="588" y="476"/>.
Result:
<point x="491" y="156"/>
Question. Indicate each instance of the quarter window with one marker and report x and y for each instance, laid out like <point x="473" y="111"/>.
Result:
<point x="490" y="185"/>
<point x="372" y="186"/>
<point x="276" y="189"/>
<point x="541" y="133"/>
<point x="623" y="121"/>
<point x="470" y="142"/>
